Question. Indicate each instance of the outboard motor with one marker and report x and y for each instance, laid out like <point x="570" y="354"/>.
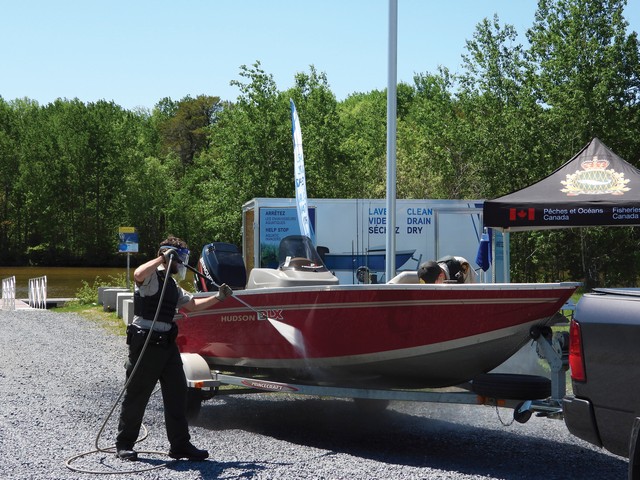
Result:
<point x="223" y="263"/>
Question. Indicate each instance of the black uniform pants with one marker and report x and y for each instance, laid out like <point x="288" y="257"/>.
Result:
<point x="161" y="361"/>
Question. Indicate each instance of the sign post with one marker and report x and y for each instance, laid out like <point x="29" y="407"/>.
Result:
<point x="128" y="243"/>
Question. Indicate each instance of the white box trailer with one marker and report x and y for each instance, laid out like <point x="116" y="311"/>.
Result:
<point x="353" y="233"/>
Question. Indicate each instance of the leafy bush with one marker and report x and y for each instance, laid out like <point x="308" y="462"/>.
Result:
<point x="88" y="294"/>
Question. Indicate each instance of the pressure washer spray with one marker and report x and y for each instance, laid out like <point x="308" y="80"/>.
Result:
<point x="290" y="333"/>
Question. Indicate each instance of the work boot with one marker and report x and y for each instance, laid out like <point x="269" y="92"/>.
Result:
<point x="126" y="454"/>
<point x="189" y="452"/>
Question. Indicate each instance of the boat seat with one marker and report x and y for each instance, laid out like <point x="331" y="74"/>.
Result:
<point x="405" y="277"/>
<point x="322" y="251"/>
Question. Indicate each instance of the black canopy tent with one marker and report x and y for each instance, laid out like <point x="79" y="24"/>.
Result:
<point x="596" y="187"/>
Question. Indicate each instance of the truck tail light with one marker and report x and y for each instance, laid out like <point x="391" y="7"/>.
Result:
<point x="576" y="359"/>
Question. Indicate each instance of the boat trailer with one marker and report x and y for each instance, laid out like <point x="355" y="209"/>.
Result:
<point x="498" y="391"/>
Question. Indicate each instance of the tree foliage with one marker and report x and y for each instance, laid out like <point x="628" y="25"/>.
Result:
<point x="184" y="127"/>
<point x="71" y="173"/>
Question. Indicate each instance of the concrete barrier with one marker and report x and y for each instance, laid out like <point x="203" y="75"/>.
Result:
<point x="101" y="294"/>
<point x="127" y="312"/>
<point x="110" y="297"/>
<point x="120" y="298"/>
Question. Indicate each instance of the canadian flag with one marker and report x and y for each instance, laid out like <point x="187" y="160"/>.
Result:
<point x="519" y="214"/>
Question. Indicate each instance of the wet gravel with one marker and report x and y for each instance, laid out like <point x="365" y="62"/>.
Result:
<point x="60" y="374"/>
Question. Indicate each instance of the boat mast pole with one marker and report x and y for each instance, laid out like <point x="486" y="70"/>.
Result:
<point x="392" y="85"/>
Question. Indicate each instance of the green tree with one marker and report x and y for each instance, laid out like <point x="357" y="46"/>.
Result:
<point x="250" y="155"/>
<point x="433" y="158"/>
<point x="587" y="78"/>
<point x="32" y="183"/>
<point x="8" y="174"/>
<point x="504" y="126"/>
<point x="588" y="74"/>
<point x="184" y="125"/>
<point x="318" y="111"/>
<point x="69" y="192"/>
<point x="363" y="148"/>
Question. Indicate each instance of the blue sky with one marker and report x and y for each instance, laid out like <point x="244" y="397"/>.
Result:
<point x="136" y="52"/>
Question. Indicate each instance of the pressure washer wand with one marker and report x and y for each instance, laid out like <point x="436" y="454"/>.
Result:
<point x="261" y="315"/>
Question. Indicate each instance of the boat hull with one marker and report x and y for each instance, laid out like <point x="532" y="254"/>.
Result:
<point x="373" y="335"/>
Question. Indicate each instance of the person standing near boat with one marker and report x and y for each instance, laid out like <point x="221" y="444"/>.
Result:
<point x="448" y="269"/>
<point x="161" y="360"/>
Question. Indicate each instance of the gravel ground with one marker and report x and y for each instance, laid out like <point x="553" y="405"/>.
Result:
<point x="61" y="373"/>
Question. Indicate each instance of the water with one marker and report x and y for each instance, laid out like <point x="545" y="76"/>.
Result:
<point x="291" y="334"/>
<point x="64" y="282"/>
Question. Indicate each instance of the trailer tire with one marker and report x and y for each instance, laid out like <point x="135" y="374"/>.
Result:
<point x="194" y="403"/>
<point x="511" y="386"/>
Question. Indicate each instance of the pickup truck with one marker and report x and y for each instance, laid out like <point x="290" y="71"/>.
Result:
<point x="604" y="357"/>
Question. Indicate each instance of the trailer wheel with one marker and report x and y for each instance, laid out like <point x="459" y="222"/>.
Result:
<point x="511" y="386"/>
<point x="371" y="405"/>
<point x="194" y="402"/>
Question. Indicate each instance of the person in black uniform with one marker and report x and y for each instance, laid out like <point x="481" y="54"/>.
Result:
<point x="161" y="360"/>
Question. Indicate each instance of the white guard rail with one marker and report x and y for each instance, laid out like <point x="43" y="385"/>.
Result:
<point x="38" y="292"/>
<point x="9" y="293"/>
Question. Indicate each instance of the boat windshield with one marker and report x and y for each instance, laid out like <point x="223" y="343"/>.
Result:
<point x="298" y="253"/>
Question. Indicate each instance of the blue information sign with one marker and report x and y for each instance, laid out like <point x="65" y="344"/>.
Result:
<point x="128" y="240"/>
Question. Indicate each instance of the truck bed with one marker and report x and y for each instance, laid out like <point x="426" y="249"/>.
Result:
<point x="606" y="401"/>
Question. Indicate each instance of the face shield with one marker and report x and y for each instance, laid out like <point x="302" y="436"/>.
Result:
<point x="183" y="255"/>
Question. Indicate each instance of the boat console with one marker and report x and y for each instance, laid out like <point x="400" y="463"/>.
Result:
<point x="299" y="264"/>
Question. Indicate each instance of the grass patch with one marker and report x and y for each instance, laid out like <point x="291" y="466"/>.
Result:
<point x="86" y="304"/>
<point x="95" y="313"/>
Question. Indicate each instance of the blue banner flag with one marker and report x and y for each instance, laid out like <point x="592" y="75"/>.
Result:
<point x="483" y="258"/>
<point x="299" y="176"/>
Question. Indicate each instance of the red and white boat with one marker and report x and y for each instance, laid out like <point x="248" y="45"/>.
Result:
<point x="396" y="335"/>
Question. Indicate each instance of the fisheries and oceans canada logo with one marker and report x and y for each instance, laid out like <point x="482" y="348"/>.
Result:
<point x="594" y="178"/>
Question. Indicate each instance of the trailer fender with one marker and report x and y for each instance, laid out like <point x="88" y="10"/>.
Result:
<point x="195" y="368"/>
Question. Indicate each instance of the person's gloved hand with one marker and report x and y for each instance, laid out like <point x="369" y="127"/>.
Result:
<point x="224" y="292"/>
<point x="171" y="254"/>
